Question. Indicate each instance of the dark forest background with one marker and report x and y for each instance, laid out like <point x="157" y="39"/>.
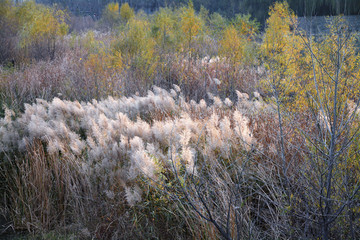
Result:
<point x="256" y="8"/>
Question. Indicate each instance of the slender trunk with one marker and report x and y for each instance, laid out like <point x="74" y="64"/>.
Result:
<point x="332" y="159"/>
<point x="351" y="222"/>
<point x="325" y="231"/>
<point x="281" y="136"/>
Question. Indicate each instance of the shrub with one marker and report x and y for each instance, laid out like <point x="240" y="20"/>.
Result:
<point x="126" y="12"/>
<point x="37" y="28"/>
<point x="111" y="15"/>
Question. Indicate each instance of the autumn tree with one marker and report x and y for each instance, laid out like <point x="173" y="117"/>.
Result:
<point x="281" y="52"/>
<point x="37" y="28"/>
<point x="237" y="40"/>
<point x="217" y="23"/>
<point x="137" y="49"/>
<point x="43" y="31"/>
<point x="232" y="49"/>
<point x="191" y="26"/>
<point x="331" y="97"/>
<point x="238" y="49"/>
<point x="314" y="84"/>
<point x="111" y="15"/>
<point x="163" y="28"/>
<point x="126" y="12"/>
<point x="231" y="45"/>
<point x="103" y="65"/>
<point x="8" y="30"/>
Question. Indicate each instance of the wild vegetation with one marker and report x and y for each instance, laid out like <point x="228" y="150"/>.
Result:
<point x="179" y="124"/>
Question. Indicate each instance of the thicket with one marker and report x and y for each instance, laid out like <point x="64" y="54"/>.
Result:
<point x="179" y="124"/>
<point x="30" y="31"/>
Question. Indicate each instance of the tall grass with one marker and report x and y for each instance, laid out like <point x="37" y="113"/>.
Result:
<point x="109" y="165"/>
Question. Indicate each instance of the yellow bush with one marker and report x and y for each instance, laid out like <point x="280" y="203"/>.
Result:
<point x="137" y="48"/>
<point x="126" y="12"/>
<point x="232" y="45"/>
<point x="191" y="25"/>
<point x="41" y="26"/>
<point x="282" y="52"/>
<point x="163" y="28"/>
<point x="111" y="14"/>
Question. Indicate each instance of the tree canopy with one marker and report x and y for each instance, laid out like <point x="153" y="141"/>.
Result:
<point x="256" y="8"/>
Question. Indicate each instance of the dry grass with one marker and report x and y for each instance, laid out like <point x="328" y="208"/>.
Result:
<point x="99" y="166"/>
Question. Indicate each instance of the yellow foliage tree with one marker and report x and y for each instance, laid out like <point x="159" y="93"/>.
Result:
<point x="191" y="25"/>
<point x="301" y="70"/>
<point x="232" y="49"/>
<point x="135" y="37"/>
<point x="126" y="12"/>
<point x="41" y="26"/>
<point x="332" y="59"/>
<point x="102" y="66"/>
<point x="25" y="12"/>
<point x="8" y="29"/>
<point x="163" y="27"/>
<point x="6" y="7"/>
<point x="111" y="15"/>
<point x="329" y="96"/>
<point x="232" y="45"/>
<point x="237" y="47"/>
<point x="247" y="28"/>
<point x="137" y="48"/>
<point x="237" y="42"/>
<point x="217" y="23"/>
<point x="117" y="61"/>
<point x="282" y="52"/>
